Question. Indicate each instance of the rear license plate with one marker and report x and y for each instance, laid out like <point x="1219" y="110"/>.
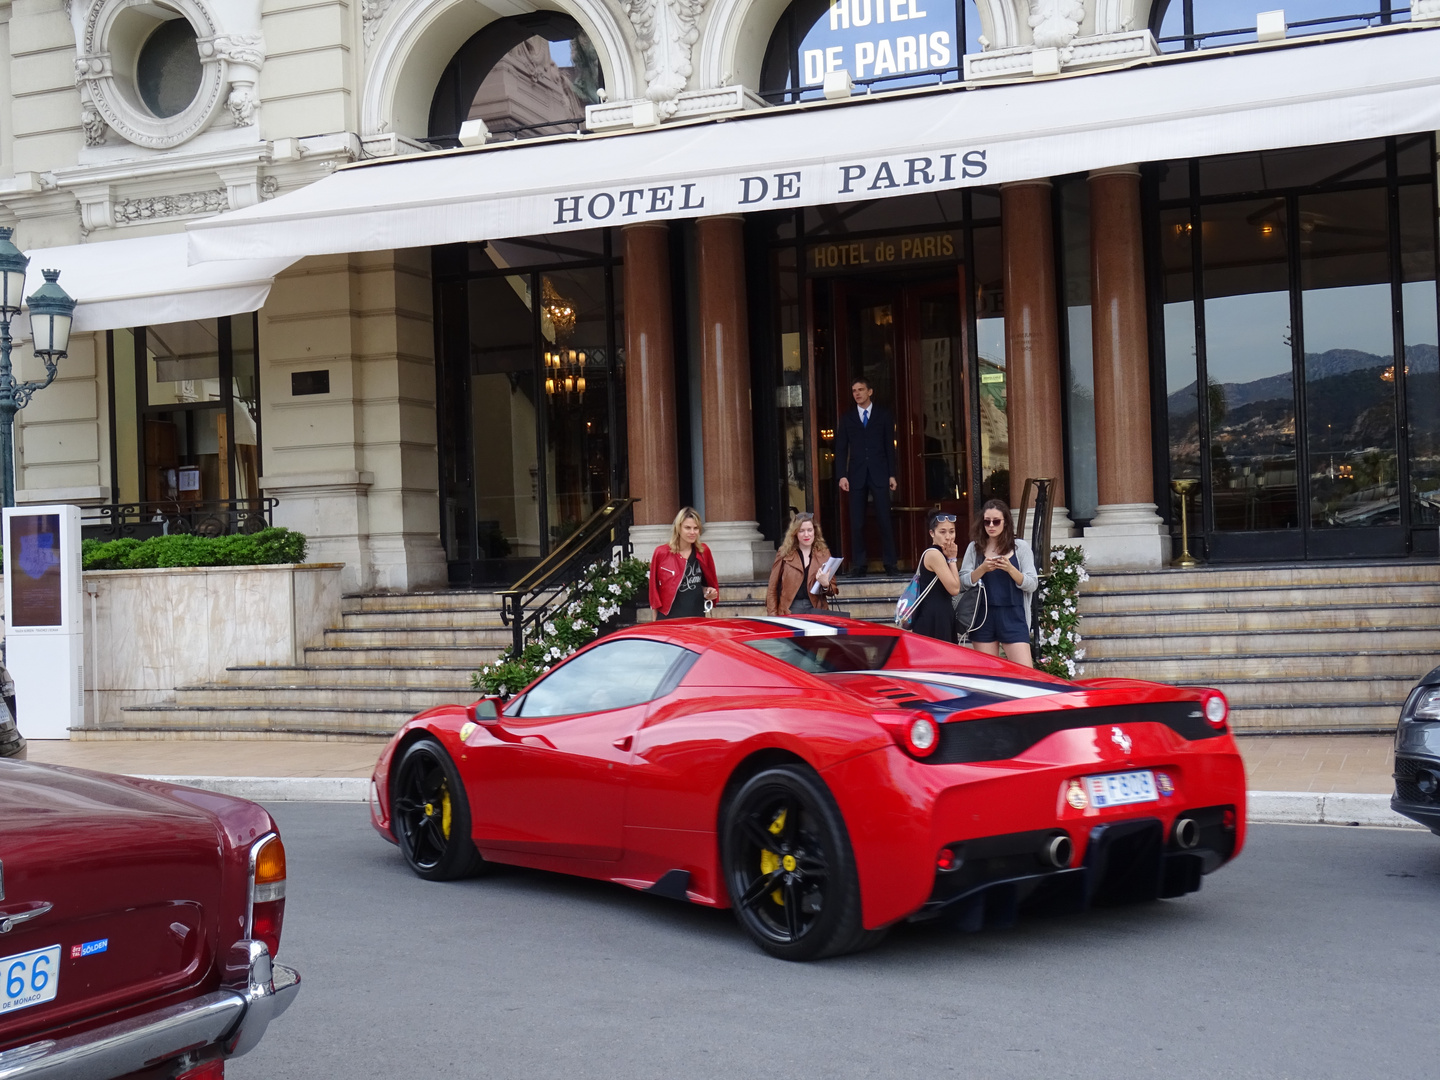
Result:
<point x="28" y="978"/>
<point x="1119" y="789"/>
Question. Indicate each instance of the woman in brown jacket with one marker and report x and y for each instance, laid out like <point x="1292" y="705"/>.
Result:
<point x="797" y="568"/>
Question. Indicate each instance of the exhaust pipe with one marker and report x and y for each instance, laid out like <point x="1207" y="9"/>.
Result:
<point x="1057" y="851"/>
<point x="1187" y="833"/>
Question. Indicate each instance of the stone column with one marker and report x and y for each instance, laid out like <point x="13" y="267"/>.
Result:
<point x="650" y="385"/>
<point x="733" y="534"/>
<point x="1032" y="345"/>
<point x="1126" y="531"/>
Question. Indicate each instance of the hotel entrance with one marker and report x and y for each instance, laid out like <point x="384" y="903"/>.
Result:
<point x="905" y="338"/>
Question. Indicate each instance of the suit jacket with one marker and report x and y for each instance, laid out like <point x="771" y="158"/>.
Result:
<point x="865" y="451"/>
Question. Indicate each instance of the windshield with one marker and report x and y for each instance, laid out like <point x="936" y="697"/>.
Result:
<point x="830" y="653"/>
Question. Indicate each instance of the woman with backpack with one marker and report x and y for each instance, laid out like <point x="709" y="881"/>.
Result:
<point x="1003" y="565"/>
<point x="937" y="581"/>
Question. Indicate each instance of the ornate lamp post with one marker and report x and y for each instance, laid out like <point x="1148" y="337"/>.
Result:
<point x="51" y="312"/>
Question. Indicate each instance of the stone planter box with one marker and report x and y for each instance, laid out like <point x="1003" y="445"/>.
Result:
<point x="150" y="631"/>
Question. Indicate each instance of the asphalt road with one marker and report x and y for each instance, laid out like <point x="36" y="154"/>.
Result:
<point x="1312" y="956"/>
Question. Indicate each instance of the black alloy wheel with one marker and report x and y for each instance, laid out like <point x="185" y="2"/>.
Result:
<point x="789" y="867"/>
<point x="430" y="815"/>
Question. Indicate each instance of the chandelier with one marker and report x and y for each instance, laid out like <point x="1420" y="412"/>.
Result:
<point x="557" y="309"/>
<point x="565" y="373"/>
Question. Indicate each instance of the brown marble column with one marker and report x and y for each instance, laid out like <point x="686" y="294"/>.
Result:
<point x="1126" y="529"/>
<point x="1032" y="343"/>
<point x="728" y="438"/>
<point x="650" y="375"/>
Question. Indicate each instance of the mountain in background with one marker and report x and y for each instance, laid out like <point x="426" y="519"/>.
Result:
<point x="1420" y="360"/>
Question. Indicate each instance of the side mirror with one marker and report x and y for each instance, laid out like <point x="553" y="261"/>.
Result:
<point x="486" y="710"/>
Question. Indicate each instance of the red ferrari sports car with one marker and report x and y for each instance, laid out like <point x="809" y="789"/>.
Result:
<point x="824" y="777"/>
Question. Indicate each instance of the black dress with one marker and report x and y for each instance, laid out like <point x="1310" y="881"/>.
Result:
<point x="935" y="615"/>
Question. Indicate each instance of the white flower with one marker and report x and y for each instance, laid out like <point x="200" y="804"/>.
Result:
<point x="502" y="690"/>
<point x="1079" y="654"/>
<point x="615" y="589"/>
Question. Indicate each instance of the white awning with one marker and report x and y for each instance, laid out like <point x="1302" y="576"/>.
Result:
<point x="146" y="280"/>
<point x="1345" y="89"/>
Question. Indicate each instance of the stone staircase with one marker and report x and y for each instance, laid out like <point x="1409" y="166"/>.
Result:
<point x="392" y="657"/>
<point x="1319" y="647"/>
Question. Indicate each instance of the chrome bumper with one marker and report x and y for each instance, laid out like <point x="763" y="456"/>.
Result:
<point x="226" y="1023"/>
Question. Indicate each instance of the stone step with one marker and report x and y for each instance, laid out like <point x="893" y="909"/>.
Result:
<point x="287" y="718"/>
<point x="1335" y="717"/>
<point x="135" y="732"/>
<point x="858" y="609"/>
<point x="472" y="638"/>
<point x="1222" y="671"/>
<point x="1210" y="578"/>
<point x="869" y="588"/>
<point x="424" y="619"/>
<point x="1388" y="691"/>
<point x="443" y="600"/>
<point x="1259" y="620"/>
<point x="336" y="697"/>
<point x="1309" y="596"/>
<point x="425" y="677"/>
<point x="1338" y="645"/>
<point x="405" y="656"/>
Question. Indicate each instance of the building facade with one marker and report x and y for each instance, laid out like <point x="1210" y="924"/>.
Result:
<point x="442" y="276"/>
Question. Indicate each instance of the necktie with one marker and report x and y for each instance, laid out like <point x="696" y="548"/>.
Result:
<point x="864" y="417"/>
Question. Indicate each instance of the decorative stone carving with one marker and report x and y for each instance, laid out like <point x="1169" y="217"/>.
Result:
<point x="1055" y="23"/>
<point x="130" y="211"/>
<point x="668" y="30"/>
<point x="93" y="124"/>
<point x="269" y="187"/>
<point x="371" y="12"/>
<point x="230" y="64"/>
<point x="612" y="115"/>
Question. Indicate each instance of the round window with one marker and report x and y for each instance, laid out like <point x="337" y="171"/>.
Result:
<point x="167" y="72"/>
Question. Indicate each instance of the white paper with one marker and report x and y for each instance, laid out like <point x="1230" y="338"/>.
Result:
<point x="827" y="573"/>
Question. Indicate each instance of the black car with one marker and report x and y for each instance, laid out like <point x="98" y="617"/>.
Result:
<point x="1417" y="755"/>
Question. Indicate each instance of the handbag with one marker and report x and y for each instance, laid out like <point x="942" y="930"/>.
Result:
<point x="971" y="607"/>
<point x="909" y="600"/>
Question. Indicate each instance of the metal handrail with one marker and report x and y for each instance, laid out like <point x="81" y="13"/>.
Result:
<point x="207" y="517"/>
<point x="1044" y="487"/>
<point x="527" y="602"/>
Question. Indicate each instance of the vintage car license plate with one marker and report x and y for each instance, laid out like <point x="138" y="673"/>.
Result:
<point x="28" y="978"/>
<point x="1119" y="789"/>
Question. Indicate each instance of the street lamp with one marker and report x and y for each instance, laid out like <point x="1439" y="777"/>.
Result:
<point x="51" y="312"/>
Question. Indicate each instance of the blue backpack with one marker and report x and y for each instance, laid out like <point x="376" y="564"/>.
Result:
<point x="910" y="598"/>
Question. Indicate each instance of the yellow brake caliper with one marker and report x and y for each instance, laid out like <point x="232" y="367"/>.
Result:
<point x="769" y="860"/>
<point x="445" y="810"/>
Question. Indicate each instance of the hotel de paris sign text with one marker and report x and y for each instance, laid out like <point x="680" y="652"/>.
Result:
<point x="721" y="194"/>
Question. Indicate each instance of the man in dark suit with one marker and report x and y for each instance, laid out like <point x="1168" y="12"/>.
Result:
<point x="865" y="460"/>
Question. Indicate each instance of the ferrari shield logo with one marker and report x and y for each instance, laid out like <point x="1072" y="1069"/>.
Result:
<point x="1120" y="739"/>
<point x="38" y="554"/>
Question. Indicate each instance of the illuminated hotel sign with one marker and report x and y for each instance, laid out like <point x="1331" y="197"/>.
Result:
<point x="881" y="252"/>
<point x="880" y="39"/>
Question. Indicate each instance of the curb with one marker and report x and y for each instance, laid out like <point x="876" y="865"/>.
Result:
<point x="317" y="789"/>
<point x="1315" y="808"/>
<point x="1264" y="807"/>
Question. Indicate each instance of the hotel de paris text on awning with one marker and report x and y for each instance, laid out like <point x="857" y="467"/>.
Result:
<point x="1254" y="98"/>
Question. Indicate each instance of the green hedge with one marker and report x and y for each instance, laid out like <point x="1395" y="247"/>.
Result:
<point x="255" y="549"/>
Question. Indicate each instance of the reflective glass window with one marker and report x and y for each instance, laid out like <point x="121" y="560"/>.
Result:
<point x="609" y="676"/>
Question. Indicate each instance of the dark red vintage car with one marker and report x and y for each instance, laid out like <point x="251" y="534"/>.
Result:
<point x="138" y="922"/>
<point x="826" y="778"/>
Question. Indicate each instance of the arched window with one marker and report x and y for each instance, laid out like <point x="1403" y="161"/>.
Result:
<point x="1184" y="25"/>
<point x="526" y="76"/>
<point x="883" y="44"/>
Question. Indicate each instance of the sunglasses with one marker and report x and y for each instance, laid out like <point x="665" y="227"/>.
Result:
<point x="994" y="521"/>
<point x="942" y="517"/>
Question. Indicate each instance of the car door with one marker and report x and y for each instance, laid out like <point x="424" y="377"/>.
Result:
<point x="553" y="782"/>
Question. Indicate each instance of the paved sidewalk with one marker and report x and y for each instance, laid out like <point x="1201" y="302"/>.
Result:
<point x="1321" y="764"/>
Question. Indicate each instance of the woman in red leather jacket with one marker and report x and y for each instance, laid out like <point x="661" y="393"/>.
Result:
<point x="682" y="573"/>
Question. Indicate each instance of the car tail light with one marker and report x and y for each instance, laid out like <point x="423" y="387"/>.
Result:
<point x="267" y="892"/>
<point x="1216" y="708"/>
<point x="917" y="732"/>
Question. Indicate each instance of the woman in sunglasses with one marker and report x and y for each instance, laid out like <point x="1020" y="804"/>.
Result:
<point x="1003" y="565"/>
<point x="796" y="572"/>
<point x="938" y="581"/>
